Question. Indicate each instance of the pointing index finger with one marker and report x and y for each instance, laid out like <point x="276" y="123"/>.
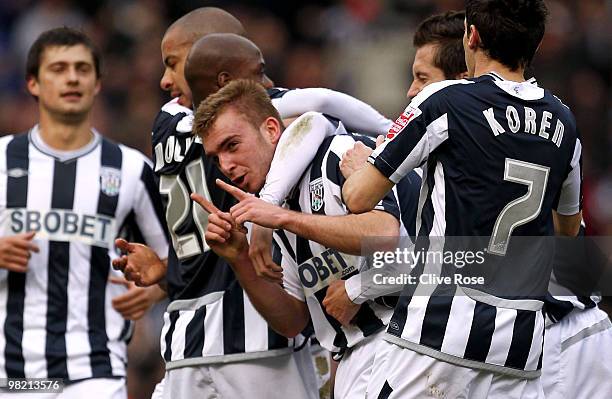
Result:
<point x="234" y="191"/>
<point x="207" y="205"/>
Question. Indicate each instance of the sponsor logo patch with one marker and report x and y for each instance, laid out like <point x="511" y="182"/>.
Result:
<point x="402" y="121"/>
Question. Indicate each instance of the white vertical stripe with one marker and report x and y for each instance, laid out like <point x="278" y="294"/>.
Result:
<point x="415" y="314"/>
<point x="502" y="336"/>
<point x="436" y="134"/>
<point x="77" y="330"/>
<point x="164" y="331"/>
<point x="213" y="329"/>
<point x="114" y="323"/>
<point x="40" y="188"/>
<point x="130" y="175"/>
<point x="3" y="231"/>
<point x="457" y="329"/>
<point x="438" y="200"/>
<point x="536" y="343"/>
<point x="255" y="328"/>
<point x="178" y="336"/>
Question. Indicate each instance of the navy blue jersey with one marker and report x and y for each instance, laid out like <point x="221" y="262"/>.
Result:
<point x="193" y="270"/>
<point x="498" y="157"/>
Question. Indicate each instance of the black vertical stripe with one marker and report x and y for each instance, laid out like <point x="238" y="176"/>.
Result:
<point x="340" y="340"/>
<point x="111" y="157"/>
<point x="386" y="391"/>
<point x="481" y="332"/>
<point x="436" y="318"/>
<point x="275" y="340"/>
<point x="194" y="334"/>
<point x="233" y="320"/>
<point x="62" y="197"/>
<point x="522" y="335"/>
<point x="168" y="338"/>
<point x="367" y="321"/>
<point x="17" y="197"/>
<point x="283" y="237"/>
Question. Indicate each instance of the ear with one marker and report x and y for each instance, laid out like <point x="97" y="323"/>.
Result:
<point x="473" y="38"/>
<point x="462" y="75"/>
<point x="32" y="85"/>
<point x="271" y="129"/>
<point x="223" y="78"/>
<point x="98" y="87"/>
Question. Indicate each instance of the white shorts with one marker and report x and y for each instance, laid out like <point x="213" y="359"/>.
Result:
<point x="355" y="368"/>
<point x="285" y="376"/>
<point x="406" y="374"/>
<point x="98" y="388"/>
<point x="577" y="359"/>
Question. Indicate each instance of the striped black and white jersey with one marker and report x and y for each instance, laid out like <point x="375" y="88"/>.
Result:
<point x="498" y="157"/>
<point x="209" y="319"/>
<point x="56" y="320"/>
<point x="309" y="267"/>
<point x="202" y="326"/>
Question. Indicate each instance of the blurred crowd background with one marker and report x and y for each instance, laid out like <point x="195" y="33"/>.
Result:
<point x="361" y="47"/>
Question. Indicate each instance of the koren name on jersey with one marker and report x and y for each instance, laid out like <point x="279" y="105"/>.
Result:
<point x="64" y="225"/>
<point x="529" y="122"/>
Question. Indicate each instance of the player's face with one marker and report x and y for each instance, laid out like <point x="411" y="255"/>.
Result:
<point x="424" y="70"/>
<point x="174" y="49"/>
<point x="255" y="69"/>
<point x="242" y="152"/>
<point x="66" y="84"/>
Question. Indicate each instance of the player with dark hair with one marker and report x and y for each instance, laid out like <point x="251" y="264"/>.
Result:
<point x="439" y="50"/>
<point x="65" y="193"/>
<point x="495" y="130"/>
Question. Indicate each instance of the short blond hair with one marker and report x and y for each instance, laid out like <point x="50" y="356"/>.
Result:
<point x="246" y="96"/>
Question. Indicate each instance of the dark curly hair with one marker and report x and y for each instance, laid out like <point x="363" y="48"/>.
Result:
<point x="510" y="30"/>
<point x="446" y="31"/>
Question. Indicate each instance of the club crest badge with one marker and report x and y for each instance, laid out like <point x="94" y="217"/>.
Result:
<point x="316" y="194"/>
<point x="110" y="181"/>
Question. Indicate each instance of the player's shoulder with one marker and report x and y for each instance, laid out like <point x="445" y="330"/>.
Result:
<point x="560" y="108"/>
<point x="277" y="92"/>
<point x="445" y="89"/>
<point x="130" y="157"/>
<point x="4" y="140"/>
<point x="172" y="119"/>
<point x="134" y="155"/>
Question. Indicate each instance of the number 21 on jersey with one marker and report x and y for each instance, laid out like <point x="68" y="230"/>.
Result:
<point x="179" y="204"/>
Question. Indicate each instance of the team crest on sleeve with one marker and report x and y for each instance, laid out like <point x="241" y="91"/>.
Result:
<point x="316" y="194"/>
<point x="402" y="121"/>
<point x="110" y="181"/>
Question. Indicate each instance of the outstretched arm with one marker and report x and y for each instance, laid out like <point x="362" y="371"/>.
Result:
<point x="355" y="114"/>
<point x="344" y="233"/>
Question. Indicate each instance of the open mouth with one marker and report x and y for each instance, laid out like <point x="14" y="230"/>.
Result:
<point x="239" y="181"/>
<point x="72" y="95"/>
